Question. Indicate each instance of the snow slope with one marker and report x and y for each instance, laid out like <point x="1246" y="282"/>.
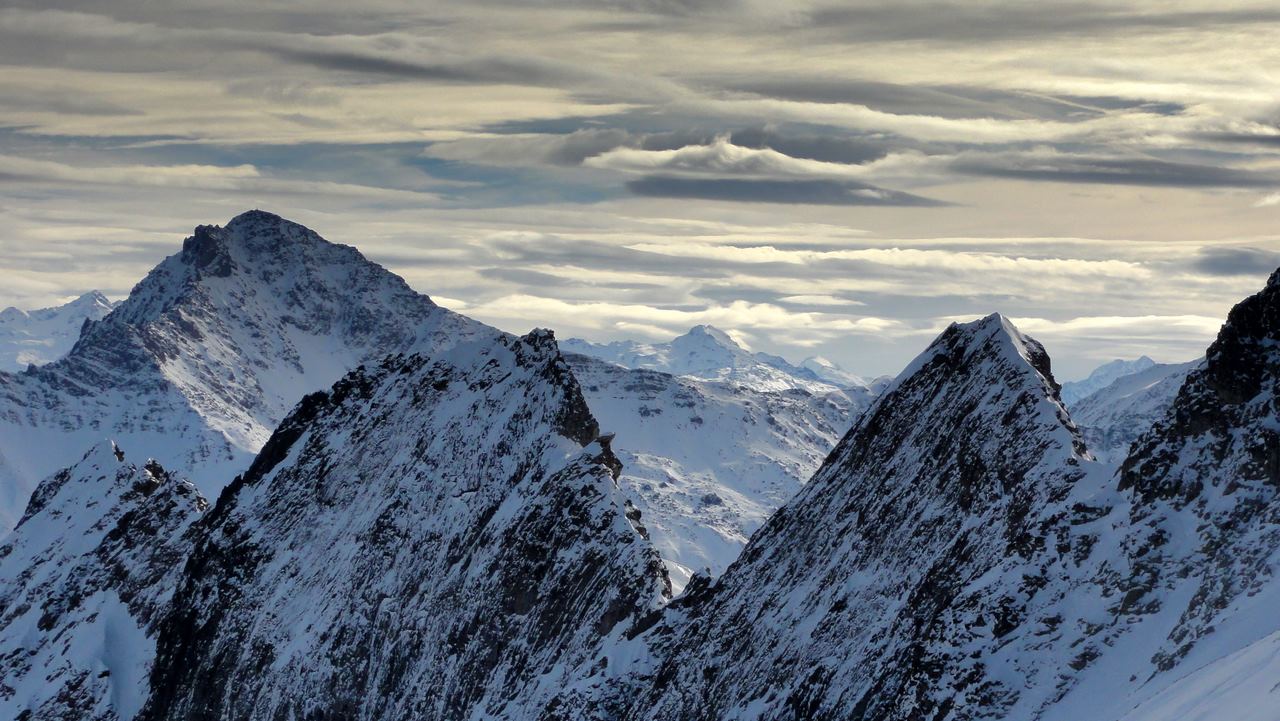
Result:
<point x="707" y="462"/>
<point x="1101" y="377"/>
<point x="960" y="556"/>
<point x="82" y="580"/>
<point x="431" y="539"/>
<point x="1113" y="416"/>
<point x="210" y="351"/>
<point x="42" y="336"/>
<point x="709" y="354"/>
<point x="903" y="566"/>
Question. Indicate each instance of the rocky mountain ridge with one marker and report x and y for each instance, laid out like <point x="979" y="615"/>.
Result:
<point x="84" y="578"/>
<point x="210" y="351"/>
<point x="433" y="538"/>
<point x="446" y="533"/>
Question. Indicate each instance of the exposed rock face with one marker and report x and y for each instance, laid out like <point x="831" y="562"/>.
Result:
<point x="210" y="351"/>
<point x="1204" y="529"/>
<point x="708" y="463"/>
<point x="428" y="540"/>
<point x="960" y="557"/>
<point x="83" y="579"/>
<point x="919" y="549"/>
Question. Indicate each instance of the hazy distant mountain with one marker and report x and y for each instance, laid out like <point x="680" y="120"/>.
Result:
<point x="1101" y="377"/>
<point x="710" y="354"/>
<point x="45" y="335"/>
<point x="1114" y="416"/>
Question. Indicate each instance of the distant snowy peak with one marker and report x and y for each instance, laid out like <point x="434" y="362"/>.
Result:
<point x="831" y="372"/>
<point x="211" y="350"/>
<point x="710" y="354"/>
<point x="42" y="336"/>
<point x="82" y="580"/>
<point x="1112" y="417"/>
<point x="1101" y="377"/>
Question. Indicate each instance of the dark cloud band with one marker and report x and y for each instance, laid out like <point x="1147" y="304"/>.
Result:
<point x="814" y="192"/>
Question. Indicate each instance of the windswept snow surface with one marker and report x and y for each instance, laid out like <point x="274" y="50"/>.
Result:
<point x="431" y="539"/>
<point x="707" y="463"/>
<point x="83" y="579"/>
<point x="36" y="337"/>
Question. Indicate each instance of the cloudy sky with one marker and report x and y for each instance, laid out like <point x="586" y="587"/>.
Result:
<point x="833" y="178"/>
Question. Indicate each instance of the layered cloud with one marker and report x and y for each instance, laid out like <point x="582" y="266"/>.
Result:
<point x="850" y="175"/>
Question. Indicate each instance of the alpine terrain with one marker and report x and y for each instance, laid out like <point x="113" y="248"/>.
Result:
<point x="83" y="580"/>
<point x="708" y="462"/>
<point x="40" y="336"/>
<point x="710" y="354"/>
<point x="1112" y="417"/>
<point x="431" y="539"/>
<point x="961" y="556"/>
<point x="210" y="351"/>
<point x="421" y="517"/>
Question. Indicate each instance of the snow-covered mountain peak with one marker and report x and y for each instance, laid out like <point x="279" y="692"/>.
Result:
<point x="706" y="347"/>
<point x="450" y="524"/>
<point x="913" y="552"/>
<point x="92" y="299"/>
<point x="991" y="347"/>
<point x="709" y="334"/>
<point x="82" y="579"/>
<point x="37" y="337"/>
<point x="1103" y="376"/>
<point x="211" y="350"/>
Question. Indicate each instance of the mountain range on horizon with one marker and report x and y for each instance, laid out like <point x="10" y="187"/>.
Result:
<point x="276" y="482"/>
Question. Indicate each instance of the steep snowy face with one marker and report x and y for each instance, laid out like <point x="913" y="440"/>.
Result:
<point x="708" y="463"/>
<point x="1101" y="377"/>
<point x="82" y="581"/>
<point x="249" y="318"/>
<point x="1203" y="534"/>
<point x="919" y="549"/>
<point x="41" y="336"/>
<point x="1112" y="418"/>
<point x="211" y="350"/>
<point x="431" y="539"/>
<point x="709" y="354"/>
